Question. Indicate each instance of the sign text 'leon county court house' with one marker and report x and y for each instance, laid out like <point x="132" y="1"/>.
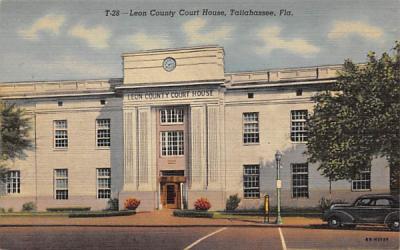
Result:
<point x="179" y="94"/>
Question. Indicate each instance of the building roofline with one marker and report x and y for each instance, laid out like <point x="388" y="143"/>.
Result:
<point x="110" y="80"/>
<point x="171" y="49"/>
<point x="283" y="69"/>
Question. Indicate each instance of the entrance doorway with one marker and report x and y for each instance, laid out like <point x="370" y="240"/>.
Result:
<point x="171" y="195"/>
<point x="171" y="191"/>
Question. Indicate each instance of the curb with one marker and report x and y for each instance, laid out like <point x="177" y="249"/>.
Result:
<point x="170" y="226"/>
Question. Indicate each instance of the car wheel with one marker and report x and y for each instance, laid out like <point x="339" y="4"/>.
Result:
<point x="334" y="222"/>
<point x="394" y="225"/>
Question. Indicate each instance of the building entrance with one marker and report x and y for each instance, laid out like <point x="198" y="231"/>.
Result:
<point x="171" y="191"/>
<point x="170" y="195"/>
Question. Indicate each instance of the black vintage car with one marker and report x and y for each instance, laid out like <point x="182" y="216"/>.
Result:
<point x="367" y="209"/>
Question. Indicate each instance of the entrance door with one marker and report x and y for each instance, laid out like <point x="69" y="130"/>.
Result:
<point x="170" y="195"/>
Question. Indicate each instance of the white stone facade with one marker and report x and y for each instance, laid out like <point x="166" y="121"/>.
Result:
<point x="213" y="153"/>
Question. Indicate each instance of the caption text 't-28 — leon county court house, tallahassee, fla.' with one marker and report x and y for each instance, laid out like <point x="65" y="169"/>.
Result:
<point x="175" y="128"/>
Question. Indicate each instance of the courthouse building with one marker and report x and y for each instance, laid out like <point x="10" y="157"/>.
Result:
<point x="175" y="128"/>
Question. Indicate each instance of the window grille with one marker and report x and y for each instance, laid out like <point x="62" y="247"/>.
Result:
<point x="250" y="128"/>
<point x="61" y="184"/>
<point x="251" y="181"/>
<point x="60" y="134"/>
<point x="300" y="180"/>
<point x="172" y="143"/>
<point x="298" y="128"/>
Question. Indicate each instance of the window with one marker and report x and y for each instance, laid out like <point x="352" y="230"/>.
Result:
<point x="60" y="103"/>
<point x="61" y="134"/>
<point x="13" y="182"/>
<point x="103" y="132"/>
<point x="298" y="129"/>
<point x="102" y="102"/>
<point x="172" y="143"/>
<point x="104" y="183"/>
<point x="364" y="202"/>
<point x="61" y="184"/>
<point x="362" y="182"/>
<point x="250" y="95"/>
<point x="251" y="181"/>
<point x="300" y="180"/>
<point x="171" y="116"/>
<point x="383" y="202"/>
<point x="250" y="128"/>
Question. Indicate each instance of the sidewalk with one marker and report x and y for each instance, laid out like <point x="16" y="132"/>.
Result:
<point x="162" y="218"/>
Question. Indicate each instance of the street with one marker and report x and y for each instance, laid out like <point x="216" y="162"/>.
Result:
<point x="195" y="238"/>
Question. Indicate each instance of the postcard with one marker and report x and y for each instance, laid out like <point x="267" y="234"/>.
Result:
<point x="199" y="124"/>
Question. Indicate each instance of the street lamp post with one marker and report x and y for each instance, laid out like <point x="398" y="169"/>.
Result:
<point x="278" y="157"/>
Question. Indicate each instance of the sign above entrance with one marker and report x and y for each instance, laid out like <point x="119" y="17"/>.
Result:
<point x="167" y="95"/>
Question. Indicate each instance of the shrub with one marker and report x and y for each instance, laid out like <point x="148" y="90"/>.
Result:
<point x="2" y="210"/>
<point x="202" y="204"/>
<point x="131" y="203"/>
<point x="113" y="204"/>
<point x="67" y="209"/>
<point x="10" y="210"/>
<point x="193" y="213"/>
<point x="100" y="214"/>
<point x="29" y="207"/>
<point x="232" y="202"/>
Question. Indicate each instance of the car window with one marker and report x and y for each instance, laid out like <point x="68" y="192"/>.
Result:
<point x="363" y="202"/>
<point x="383" y="202"/>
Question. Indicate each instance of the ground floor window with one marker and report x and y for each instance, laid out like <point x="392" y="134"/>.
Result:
<point x="13" y="182"/>
<point x="362" y="181"/>
<point x="300" y="180"/>
<point x="251" y="181"/>
<point x="104" y="183"/>
<point x="61" y="184"/>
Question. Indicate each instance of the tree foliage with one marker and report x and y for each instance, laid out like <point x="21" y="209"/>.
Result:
<point x="14" y="133"/>
<point x="358" y="119"/>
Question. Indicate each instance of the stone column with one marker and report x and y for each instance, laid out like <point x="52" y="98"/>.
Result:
<point x="198" y="140"/>
<point x="144" y="148"/>
<point x="213" y="145"/>
<point x="130" y="150"/>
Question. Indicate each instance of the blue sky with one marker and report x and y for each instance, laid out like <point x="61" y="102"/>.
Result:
<point x="67" y="40"/>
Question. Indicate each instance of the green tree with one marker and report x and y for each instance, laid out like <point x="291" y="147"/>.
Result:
<point x="358" y="118"/>
<point x="14" y="134"/>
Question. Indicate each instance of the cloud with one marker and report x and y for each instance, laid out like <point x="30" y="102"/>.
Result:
<point x="195" y="32"/>
<point x="272" y="40"/>
<point x="143" y="41"/>
<point x="72" y="65"/>
<point x="84" y="67"/>
<point x="49" y="23"/>
<point x="96" y="37"/>
<point x="342" y="29"/>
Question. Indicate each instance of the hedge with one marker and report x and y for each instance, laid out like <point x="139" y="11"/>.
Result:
<point x="193" y="213"/>
<point x="101" y="214"/>
<point x="67" y="209"/>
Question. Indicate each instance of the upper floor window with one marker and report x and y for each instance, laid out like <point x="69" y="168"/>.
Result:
<point x="103" y="132"/>
<point x="298" y="128"/>
<point x="172" y="143"/>
<point x="250" y="128"/>
<point x="362" y="181"/>
<point x="13" y="182"/>
<point x="171" y="116"/>
<point x="60" y="134"/>
<point x="300" y="180"/>
<point x="251" y="181"/>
